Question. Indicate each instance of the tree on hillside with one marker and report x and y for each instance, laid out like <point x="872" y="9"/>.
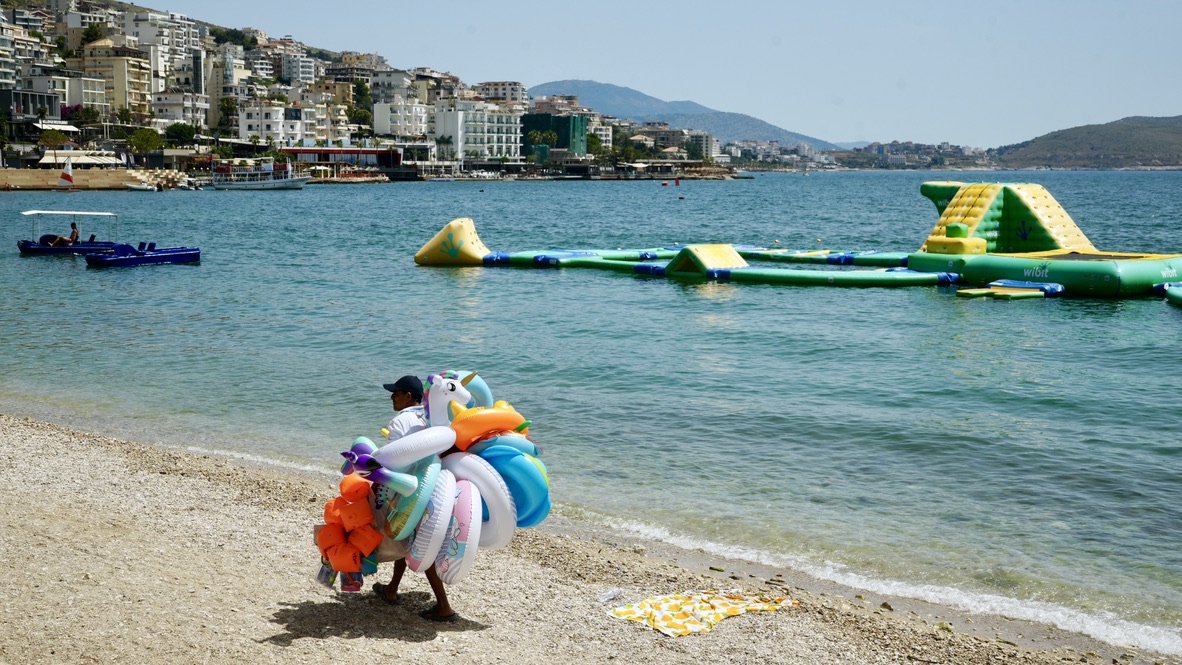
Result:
<point x="180" y="134"/>
<point x="145" y="140"/>
<point x="92" y="33"/>
<point x="223" y="35"/>
<point x="227" y="115"/>
<point x="595" y="148"/>
<point x="359" y="116"/>
<point x="62" y="47"/>
<point x="81" y="115"/>
<point x="361" y="96"/>
<point x="53" y="138"/>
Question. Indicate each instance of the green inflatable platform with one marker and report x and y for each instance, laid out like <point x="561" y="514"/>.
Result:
<point x="986" y="232"/>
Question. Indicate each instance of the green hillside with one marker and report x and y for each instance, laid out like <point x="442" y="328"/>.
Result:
<point x="1136" y="142"/>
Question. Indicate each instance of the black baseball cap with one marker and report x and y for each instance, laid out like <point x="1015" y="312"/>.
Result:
<point x="407" y="384"/>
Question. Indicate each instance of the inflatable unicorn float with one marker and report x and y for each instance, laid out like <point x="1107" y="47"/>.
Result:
<point x="463" y="484"/>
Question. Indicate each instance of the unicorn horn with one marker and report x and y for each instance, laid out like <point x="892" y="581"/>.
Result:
<point x="464" y="381"/>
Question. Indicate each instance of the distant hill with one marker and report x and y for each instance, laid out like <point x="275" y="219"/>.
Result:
<point x="1127" y="143"/>
<point x="628" y="103"/>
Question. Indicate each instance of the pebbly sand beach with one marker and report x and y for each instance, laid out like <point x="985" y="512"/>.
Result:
<point x="129" y="552"/>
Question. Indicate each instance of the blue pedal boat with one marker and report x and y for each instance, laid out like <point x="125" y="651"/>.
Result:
<point x="126" y="255"/>
<point x="42" y="247"/>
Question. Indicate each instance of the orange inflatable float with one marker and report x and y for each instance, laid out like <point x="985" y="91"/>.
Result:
<point x="474" y="424"/>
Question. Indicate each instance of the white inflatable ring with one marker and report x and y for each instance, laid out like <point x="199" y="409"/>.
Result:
<point x="432" y="529"/>
<point x="497" y="531"/>
<point x="458" y="553"/>
<point x="401" y="454"/>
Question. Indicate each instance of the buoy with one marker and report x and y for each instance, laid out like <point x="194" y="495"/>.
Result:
<point x="677" y="182"/>
<point x="664" y="183"/>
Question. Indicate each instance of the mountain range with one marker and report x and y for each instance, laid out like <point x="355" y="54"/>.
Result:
<point x="627" y="103"/>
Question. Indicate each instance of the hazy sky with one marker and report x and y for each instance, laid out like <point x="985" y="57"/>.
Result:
<point x="979" y="74"/>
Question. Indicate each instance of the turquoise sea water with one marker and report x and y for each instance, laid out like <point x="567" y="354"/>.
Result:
<point x="1014" y="457"/>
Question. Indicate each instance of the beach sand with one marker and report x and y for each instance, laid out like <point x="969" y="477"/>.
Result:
<point x="120" y="551"/>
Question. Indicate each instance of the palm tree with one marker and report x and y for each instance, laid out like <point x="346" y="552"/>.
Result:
<point x="442" y="141"/>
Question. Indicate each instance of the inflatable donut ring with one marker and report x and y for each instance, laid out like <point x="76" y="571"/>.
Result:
<point x="401" y="454"/>
<point x="432" y="528"/>
<point x="497" y="530"/>
<point x="459" y="548"/>
<point x="511" y="439"/>
<point x="527" y="482"/>
<point x="406" y="514"/>
<point x="472" y="425"/>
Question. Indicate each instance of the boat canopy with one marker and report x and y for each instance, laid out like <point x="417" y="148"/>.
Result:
<point x="68" y="212"/>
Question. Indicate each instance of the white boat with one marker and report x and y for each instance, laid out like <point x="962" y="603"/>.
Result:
<point x="256" y="173"/>
<point x="141" y="187"/>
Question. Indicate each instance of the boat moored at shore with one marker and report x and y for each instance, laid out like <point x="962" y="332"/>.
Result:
<point x="256" y="173"/>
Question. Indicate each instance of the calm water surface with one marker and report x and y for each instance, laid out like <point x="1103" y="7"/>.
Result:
<point x="1012" y="457"/>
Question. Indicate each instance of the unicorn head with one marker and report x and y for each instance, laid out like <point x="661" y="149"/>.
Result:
<point x="443" y="389"/>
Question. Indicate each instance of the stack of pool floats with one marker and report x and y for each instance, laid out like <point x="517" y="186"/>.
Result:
<point x="488" y="482"/>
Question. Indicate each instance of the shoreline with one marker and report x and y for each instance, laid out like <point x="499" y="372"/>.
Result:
<point x="127" y="551"/>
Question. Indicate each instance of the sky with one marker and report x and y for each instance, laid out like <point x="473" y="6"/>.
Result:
<point x="979" y="74"/>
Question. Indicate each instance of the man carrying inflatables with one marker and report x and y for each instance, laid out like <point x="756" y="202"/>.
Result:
<point x="407" y="396"/>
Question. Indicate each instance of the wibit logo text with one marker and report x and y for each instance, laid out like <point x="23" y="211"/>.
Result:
<point x="1042" y="270"/>
<point x="1170" y="272"/>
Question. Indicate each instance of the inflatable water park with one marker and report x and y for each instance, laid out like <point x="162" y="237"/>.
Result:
<point x="436" y="496"/>
<point x="1004" y="241"/>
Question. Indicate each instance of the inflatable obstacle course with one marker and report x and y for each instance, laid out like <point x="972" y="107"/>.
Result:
<point x="985" y="232"/>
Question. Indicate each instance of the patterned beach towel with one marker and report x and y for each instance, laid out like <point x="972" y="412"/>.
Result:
<point x="696" y="611"/>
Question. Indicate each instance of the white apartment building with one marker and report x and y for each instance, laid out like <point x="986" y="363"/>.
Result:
<point x="181" y="105"/>
<point x="502" y="91"/>
<point x="402" y="117"/>
<point x="259" y="64"/>
<point x="7" y="58"/>
<point x="82" y="20"/>
<point x="386" y="86"/>
<point x="168" y="38"/>
<point x="479" y="130"/>
<point x="73" y="88"/>
<point x="280" y="125"/>
<point x="297" y="67"/>
<point x="709" y="145"/>
<point x="603" y="131"/>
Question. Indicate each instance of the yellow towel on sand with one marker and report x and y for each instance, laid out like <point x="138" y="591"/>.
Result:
<point x="696" y="611"/>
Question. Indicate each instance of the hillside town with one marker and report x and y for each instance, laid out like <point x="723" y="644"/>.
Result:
<point x="162" y="90"/>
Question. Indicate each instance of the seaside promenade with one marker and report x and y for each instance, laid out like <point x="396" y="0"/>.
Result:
<point x="85" y="179"/>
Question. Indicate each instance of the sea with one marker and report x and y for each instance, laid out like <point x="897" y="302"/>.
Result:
<point x="1019" y="458"/>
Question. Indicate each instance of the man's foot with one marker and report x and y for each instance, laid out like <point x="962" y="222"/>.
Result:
<point x="383" y="591"/>
<point x="432" y="614"/>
